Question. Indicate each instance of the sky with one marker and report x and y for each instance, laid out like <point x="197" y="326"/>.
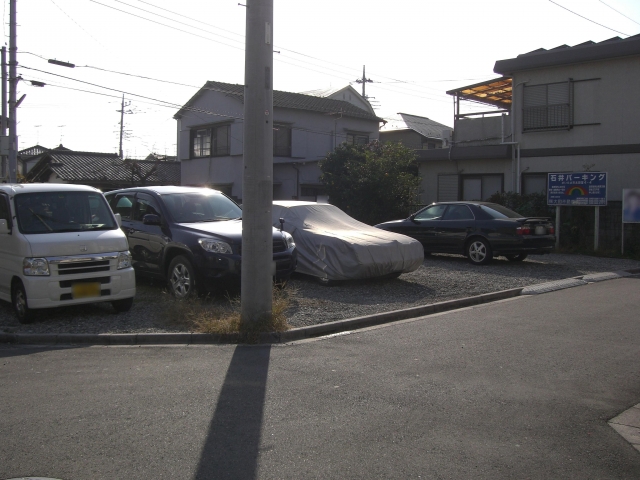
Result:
<point x="414" y="51"/>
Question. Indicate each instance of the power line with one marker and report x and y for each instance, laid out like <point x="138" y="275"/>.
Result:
<point x="276" y="58"/>
<point x="176" y="21"/>
<point x="122" y="91"/>
<point x="588" y="19"/>
<point x="79" y="26"/>
<point x="165" y="25"/>
<point x="618" y="11"/>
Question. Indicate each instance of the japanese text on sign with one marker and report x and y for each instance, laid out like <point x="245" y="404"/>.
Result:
<point x="587" y="189"/>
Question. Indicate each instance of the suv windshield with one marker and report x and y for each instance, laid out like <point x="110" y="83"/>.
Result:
<point x="498" y="211"/>
<point x="200" y="207"/>
<point x="55" y="212"/>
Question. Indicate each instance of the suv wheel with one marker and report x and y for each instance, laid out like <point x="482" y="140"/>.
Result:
<point x="182" y="278"/>
<point x="20" y="305"/>
<point x="479" y="251"/>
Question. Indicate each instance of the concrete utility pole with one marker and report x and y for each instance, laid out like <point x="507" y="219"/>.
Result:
<point x="364" y="80"/>
<point x="13" y="86"/>
<point x="3" y="122"/>
<point x="257" y="185"/>
<point x="121" y="123"/>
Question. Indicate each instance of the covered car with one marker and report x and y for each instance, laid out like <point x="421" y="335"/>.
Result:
<point x="334" y="246"/>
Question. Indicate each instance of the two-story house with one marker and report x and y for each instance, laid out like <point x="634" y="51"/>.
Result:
<point x="570" y="109"/>
<point x="306" y="128"/>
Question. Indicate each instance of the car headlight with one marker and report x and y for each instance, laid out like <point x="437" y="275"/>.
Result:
<point x="214" y="246"/>
<point x="289" y="239"/>
<point x="35" y="266"/>
<point x="124" y="260"/>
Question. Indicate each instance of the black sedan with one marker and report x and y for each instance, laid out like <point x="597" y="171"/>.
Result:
<point x="478" y="230"/>
<point x="190" y="236"/>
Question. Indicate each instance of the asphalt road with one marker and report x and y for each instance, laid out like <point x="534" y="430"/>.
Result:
<point x="518" y="389"/>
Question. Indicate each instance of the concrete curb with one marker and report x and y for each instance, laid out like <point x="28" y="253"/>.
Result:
<point x="265" y="338"/>
<point x="301" y="333"/>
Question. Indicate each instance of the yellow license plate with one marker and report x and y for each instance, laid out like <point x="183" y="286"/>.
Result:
<point x="84" y="290"/>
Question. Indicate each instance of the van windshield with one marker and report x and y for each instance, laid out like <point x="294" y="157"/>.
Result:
<point x="200" y="207"/>
<point x="56" y="212"/>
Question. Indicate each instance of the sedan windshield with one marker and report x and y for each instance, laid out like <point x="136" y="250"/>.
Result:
<point x="498" y="211"/>
<point x="200" y="207"/>
<point x="56" y="212"/>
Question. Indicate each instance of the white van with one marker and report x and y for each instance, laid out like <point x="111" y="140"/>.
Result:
<point x="61" y="245"/>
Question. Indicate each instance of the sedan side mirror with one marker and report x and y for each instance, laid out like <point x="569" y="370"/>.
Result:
<point x="151" y="219"/>
<point x="412" y="217"/>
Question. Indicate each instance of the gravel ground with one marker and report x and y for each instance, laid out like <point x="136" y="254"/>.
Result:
<point x="441" y="277"/>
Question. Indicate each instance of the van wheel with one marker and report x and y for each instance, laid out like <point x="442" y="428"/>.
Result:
<point x="20" y="305"/>
<point x="123" y="305"/>
<point x="479" y="251"/>
<point x="182" y="278"/>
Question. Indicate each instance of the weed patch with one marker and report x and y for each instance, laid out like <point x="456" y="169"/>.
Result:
<point x="222" y="317"/>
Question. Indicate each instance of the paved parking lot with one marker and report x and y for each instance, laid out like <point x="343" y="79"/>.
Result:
<point x="518" y="389"/>
<point x="441" y="277"/>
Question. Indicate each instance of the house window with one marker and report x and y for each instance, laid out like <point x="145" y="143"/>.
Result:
<point x="480" y="187"/>
<point x="547" y="106"/>
<point x="357" y="139"/>
<point x="210" y="141"/>
<point x="281" y="141"/>
<point x="534" y="183"/>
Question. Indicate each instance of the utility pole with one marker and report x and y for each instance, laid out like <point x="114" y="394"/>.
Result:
<point x="3" y="122"/>
<point x="364" y="80"/>
<point x="13" y="85"/>
<point x="121" y="123"/>
<point x="257" y="184"/>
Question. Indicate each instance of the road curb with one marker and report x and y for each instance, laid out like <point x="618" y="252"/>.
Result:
<point x="265" y="338"/>
<point x="301" y="333"/>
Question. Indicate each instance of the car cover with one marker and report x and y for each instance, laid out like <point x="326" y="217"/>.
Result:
<point x="335" y="246"/>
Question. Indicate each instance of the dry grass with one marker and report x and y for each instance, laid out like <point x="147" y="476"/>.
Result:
<point x="209" y="315"/>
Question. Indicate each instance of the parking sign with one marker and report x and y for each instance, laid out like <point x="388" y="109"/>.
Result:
<point x="586" y="189"/>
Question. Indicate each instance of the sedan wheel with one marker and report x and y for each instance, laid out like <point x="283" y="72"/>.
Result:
<point x="182" y="280"/>
<point x="479" y="251"/>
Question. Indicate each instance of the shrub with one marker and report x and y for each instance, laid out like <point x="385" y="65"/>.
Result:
<point x="373" y="183"/>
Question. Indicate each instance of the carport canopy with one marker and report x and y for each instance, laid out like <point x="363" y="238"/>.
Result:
<point x="496" y="92"/>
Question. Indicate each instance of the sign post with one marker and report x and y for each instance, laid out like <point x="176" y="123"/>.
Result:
<point x="583" y="189"/>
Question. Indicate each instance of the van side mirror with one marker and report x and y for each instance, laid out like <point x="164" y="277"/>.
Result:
<point x="151" y="219"/>
<point x="118" y="219"/>
<point x="4" y="227"/>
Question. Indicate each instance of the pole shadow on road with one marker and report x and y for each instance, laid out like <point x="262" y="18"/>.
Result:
<point x="233" y="443"/>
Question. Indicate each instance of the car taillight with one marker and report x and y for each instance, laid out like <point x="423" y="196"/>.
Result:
<point x="551" y="230"/>
<point x="523" y="230"/>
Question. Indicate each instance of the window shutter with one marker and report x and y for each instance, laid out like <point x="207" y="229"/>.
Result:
<point x="447" y="188"/>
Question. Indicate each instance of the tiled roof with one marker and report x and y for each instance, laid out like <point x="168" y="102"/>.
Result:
<point x="32" y="151"/>
<point x="297" y="101"/>
<point x="565" y="55"/>
<point x="107" y="168"/>
<point x="423" y="125"/>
